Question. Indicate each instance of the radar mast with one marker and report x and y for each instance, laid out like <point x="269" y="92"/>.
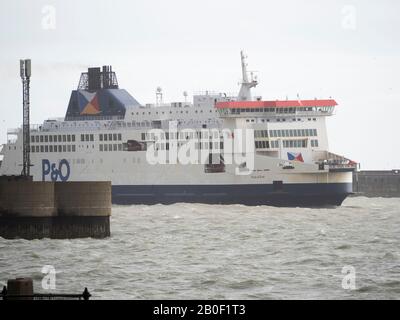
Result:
<point x="246" y="85"/>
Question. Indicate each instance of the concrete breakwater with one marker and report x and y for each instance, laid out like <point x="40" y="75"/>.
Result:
<point x="377" y="183"/>
<point x="57" y="210"/>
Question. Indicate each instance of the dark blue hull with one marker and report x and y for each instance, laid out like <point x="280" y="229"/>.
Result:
<point x="297" y="195"/>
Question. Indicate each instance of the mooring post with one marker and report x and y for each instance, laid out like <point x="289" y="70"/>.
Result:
<point x="4" y="293"/>
<point x="86" y="294"/>
<point x="20" y="287"/>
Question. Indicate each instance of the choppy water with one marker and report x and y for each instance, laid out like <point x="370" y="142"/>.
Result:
<point x="187" y="251"/>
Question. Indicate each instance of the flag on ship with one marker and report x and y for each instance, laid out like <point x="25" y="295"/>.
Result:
<point x="295" y="156"/>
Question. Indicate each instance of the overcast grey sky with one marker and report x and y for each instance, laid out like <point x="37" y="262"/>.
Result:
<point x="345" y="49"/>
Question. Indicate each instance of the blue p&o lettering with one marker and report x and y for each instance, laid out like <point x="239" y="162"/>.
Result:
<point x="45" y="168"/>
<point x="55" y="173"/>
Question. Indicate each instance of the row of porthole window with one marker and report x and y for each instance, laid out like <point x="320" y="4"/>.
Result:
<point x="110" y="147"/>
<point x="110" y="136"/>
<point x="293" y="133"/>
<point x="53" y="148"/>
<point x="170" y="112"/>
<point x="53" y="138"/>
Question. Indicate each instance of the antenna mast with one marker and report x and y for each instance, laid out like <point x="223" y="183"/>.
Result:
<point x="245" y="93"/>
<point x="25" y="72"/>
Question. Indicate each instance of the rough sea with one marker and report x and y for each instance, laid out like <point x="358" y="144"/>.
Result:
<point x="198" y="251"/>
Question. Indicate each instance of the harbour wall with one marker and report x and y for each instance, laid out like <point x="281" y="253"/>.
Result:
<point x="57" y="210"/>
<point x="377" y="183"/>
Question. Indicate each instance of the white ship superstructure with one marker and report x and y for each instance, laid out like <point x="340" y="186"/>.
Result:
<point x="107" y="135"/>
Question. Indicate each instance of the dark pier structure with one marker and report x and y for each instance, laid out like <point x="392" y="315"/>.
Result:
<point x="31" y="210"/>
<point x="58" y="210"/>
<point x="377" y="183"/>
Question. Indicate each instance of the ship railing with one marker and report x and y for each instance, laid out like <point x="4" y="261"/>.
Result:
<point x="337" y="163"/>
<point x="231" y="95"/>
<point x="85" y="295"/>
<point x="11" y="141"/>
<point x="13" y="131"/>
<point x="312" y="113"/>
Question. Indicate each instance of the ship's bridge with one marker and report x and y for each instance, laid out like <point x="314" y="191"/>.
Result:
<point x="276" y="108"/>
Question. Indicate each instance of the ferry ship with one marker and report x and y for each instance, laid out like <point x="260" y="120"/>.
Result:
<point x="108" y="135"/>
